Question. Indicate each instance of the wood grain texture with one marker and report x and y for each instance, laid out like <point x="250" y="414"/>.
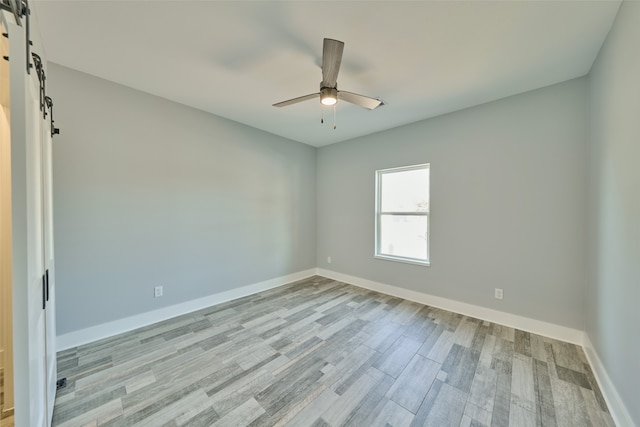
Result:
<point x="324" y="353"/>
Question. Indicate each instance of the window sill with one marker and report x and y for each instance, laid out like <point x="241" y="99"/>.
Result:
<point x="404" y="260"/>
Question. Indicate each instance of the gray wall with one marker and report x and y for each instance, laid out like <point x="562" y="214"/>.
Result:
<point x="508" y="192"/>
<point x="149" y="192"/>
<point x="613" y="290"/>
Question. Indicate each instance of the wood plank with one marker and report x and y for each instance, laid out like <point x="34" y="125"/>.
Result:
<point x="231" y="397"/>
<point x="522" y="389"/>
<point x="394" y="360"/>
<point x="465" y="332"/>
<point x="181" y="409"/>
<point x="243" y="415"/>
<point x="476" y="416"/>
<point x="349" y="400"/>
<point x="460" y="366"/>
<point x="567" y="355"/>
<point x="570" y="406"/>
<point x="502" y="401"/>
<point x="373" y="403"/>
<point x="314" y="410"/>
<point x="545" y="409"/>
<point x="414" y="382"/>
<point x="441" y="347"/>
<point x="596" y="415"/>
<point x="394" y="415"/>
<point x="521" y="417"/>
<point x="109" y="410"/>
<point x="443" y="406"/>
<point x="522" y="343"/>
<point x="483" y="389"/>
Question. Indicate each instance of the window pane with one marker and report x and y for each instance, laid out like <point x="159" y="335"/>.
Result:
<point x="404" y="236"/>
<point x="405" y="191"/>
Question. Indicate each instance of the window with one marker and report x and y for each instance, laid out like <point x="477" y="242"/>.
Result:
<point x="402" y="214"/>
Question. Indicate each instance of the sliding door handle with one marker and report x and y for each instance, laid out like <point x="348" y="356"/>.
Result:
<point x="46" y="273"/>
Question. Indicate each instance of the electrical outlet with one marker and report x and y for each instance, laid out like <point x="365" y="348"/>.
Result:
<point x="157" y="291"/>
<point x="328" y="260"/>
<point x="499" y="293"/>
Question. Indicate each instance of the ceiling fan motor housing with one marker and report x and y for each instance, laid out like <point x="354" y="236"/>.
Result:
<point x="328" y="95"/>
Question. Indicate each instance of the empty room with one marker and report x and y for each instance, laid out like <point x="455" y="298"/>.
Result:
<point x="319" y="213"/>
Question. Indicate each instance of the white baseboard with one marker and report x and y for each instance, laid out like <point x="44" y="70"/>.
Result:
<point x="105" y="330"/>
<point x="539" y="327"/>
<point x="617" y="408"/>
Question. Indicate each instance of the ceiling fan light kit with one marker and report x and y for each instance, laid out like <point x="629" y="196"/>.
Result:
<point x="329" y="93"/>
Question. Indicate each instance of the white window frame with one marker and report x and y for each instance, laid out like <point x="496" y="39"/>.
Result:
<point x="378" y="213"/>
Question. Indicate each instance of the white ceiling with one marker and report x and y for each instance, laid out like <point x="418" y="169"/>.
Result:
<point x="236" y="58"/>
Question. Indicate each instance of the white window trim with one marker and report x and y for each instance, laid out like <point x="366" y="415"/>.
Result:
<point x="378" y="214"/>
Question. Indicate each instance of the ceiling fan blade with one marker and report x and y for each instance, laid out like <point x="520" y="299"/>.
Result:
<point x="331" y="59"/>
<point x="361" y="100"/>
<point x="296" y="100"/>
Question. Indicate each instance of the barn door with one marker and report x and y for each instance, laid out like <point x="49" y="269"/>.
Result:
<point x="47" y="222"/>
<point x="33" y="346"/>
<point x="35" y="255"/>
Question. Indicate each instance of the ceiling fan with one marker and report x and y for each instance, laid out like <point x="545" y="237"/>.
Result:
<point x="329" y="93"/>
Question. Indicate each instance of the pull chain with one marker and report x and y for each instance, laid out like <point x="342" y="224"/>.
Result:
<point x="334" y="116"/>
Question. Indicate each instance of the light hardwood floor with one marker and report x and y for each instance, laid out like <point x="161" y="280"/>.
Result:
<point x="324" y="353"/>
